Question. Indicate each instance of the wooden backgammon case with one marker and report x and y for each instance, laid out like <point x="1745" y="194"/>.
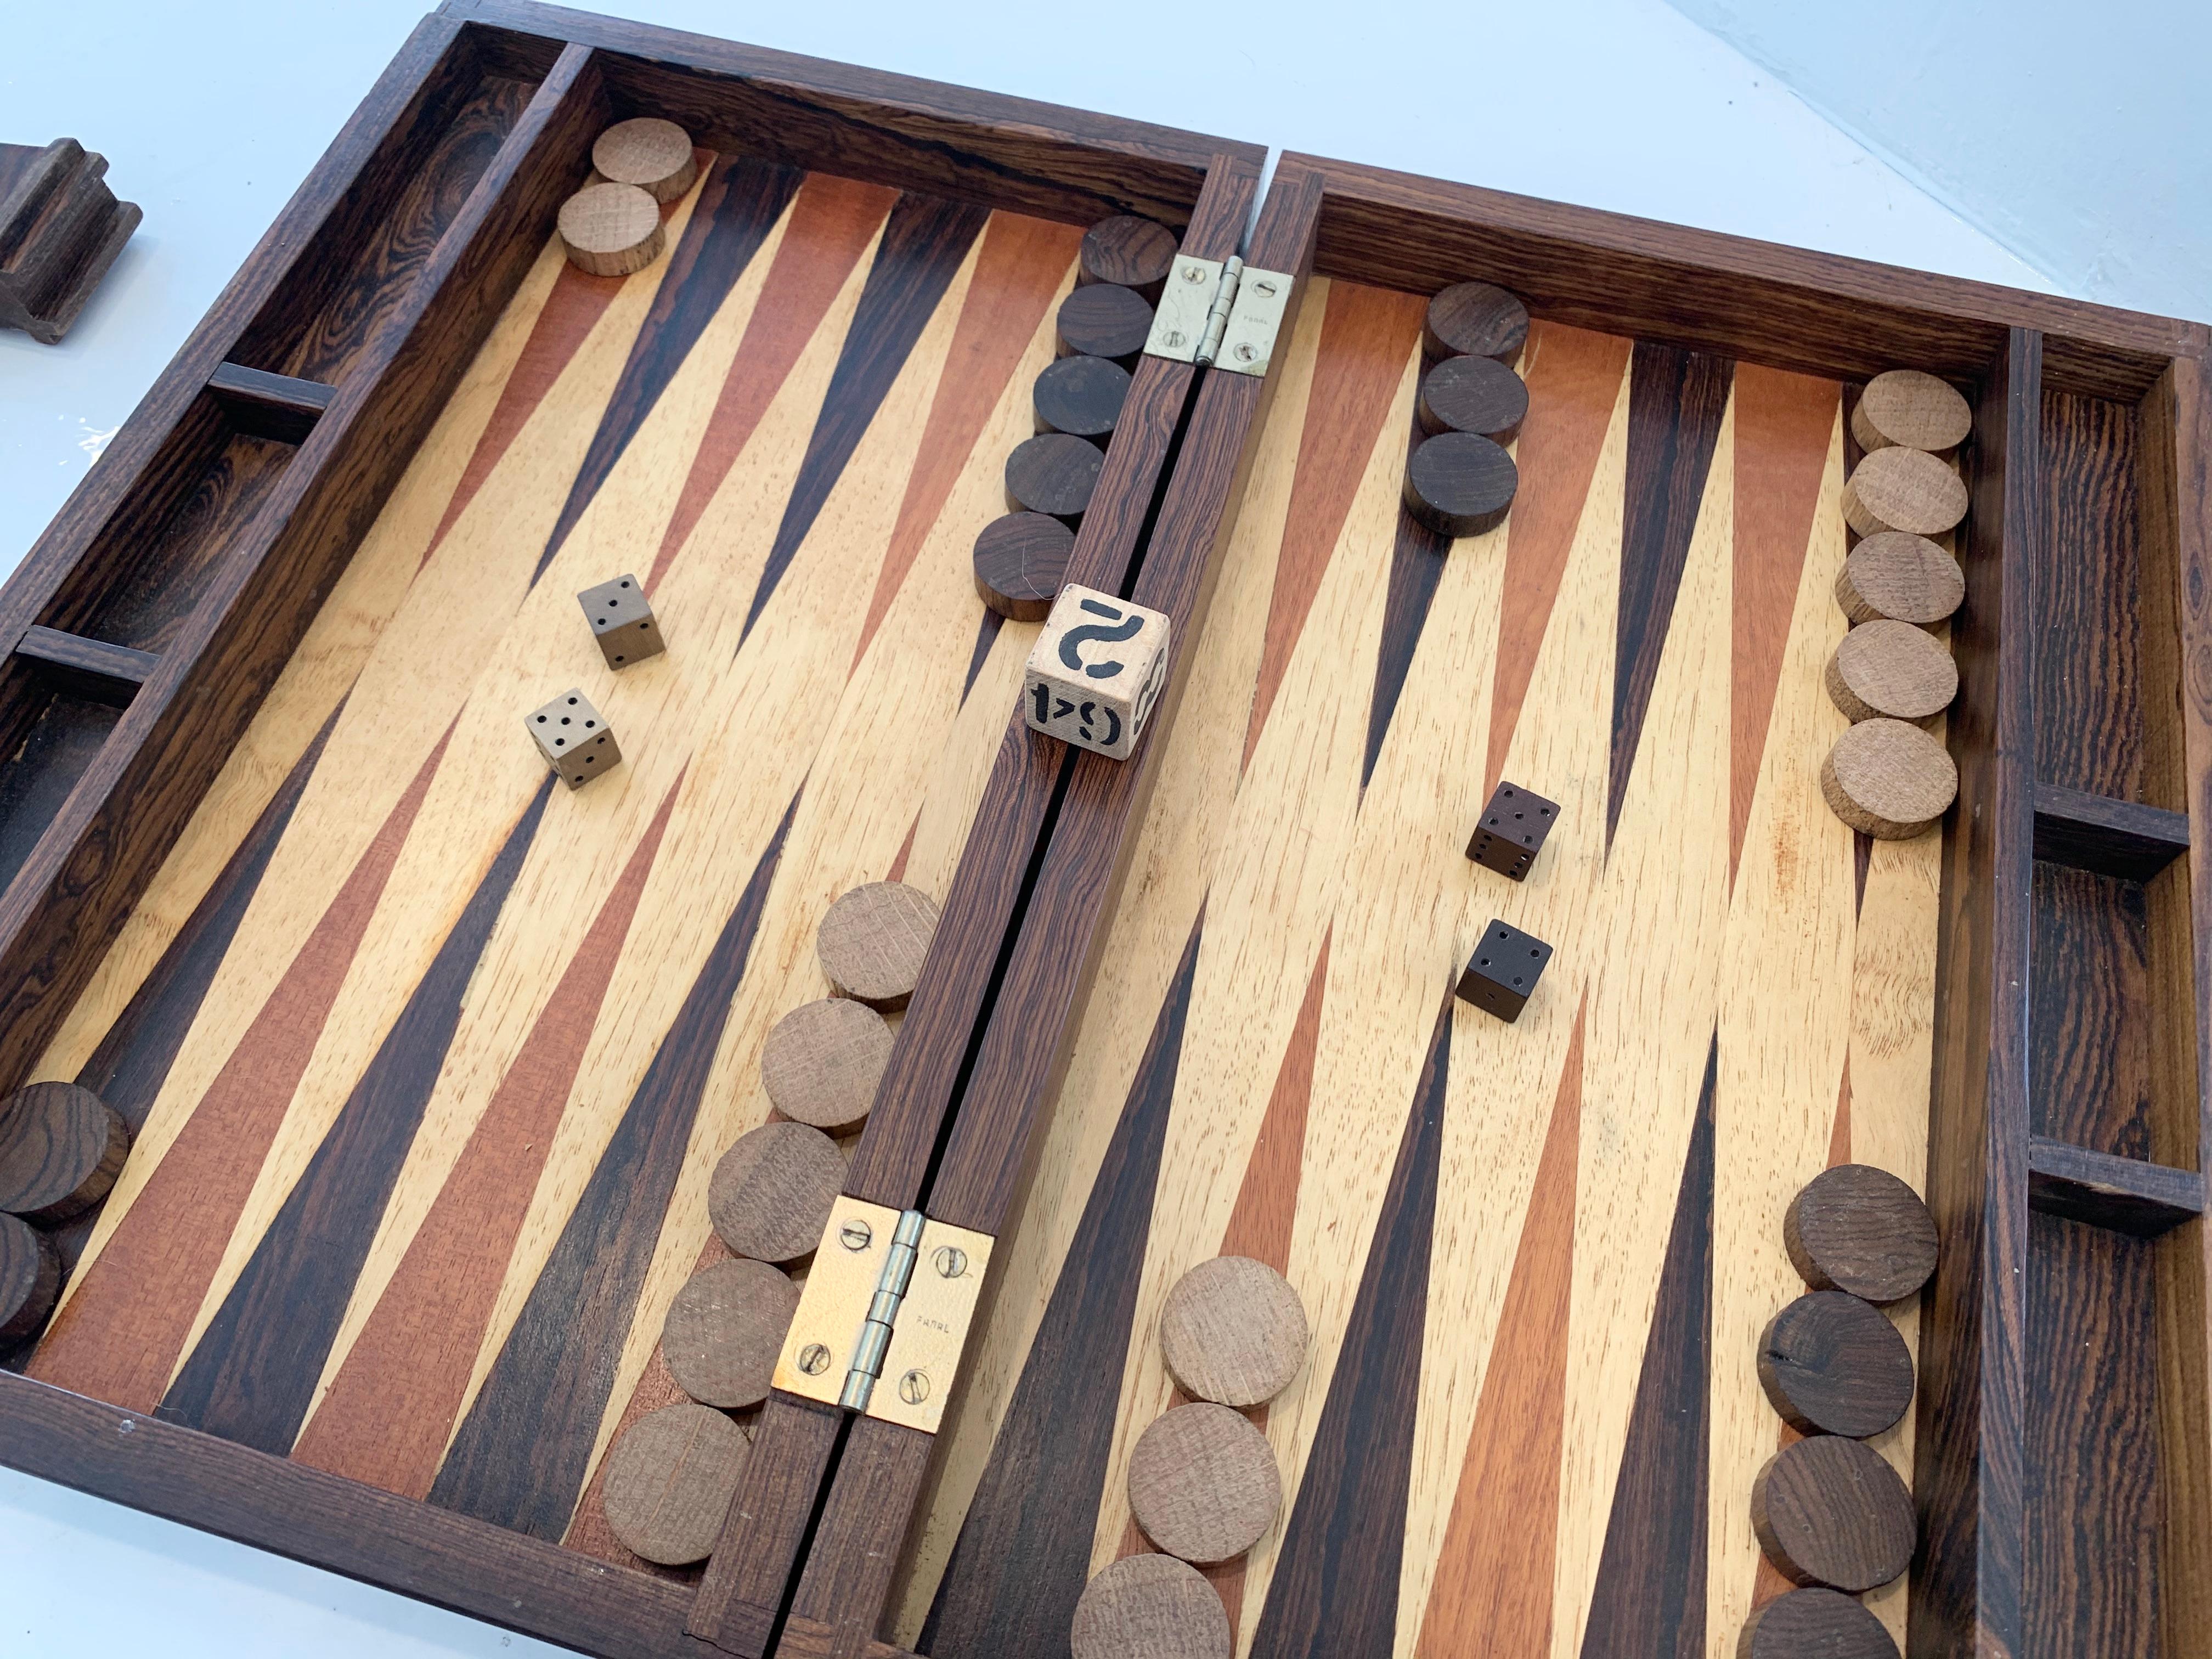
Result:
<point x="426" y="1061"/>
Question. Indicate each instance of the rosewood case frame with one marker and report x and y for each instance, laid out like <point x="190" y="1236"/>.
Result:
<point x="142" y="632"/>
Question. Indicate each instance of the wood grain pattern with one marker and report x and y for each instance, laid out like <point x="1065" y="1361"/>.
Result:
<point x="2178" y="543"/>
<point x="1969" y="1473"/>
<point x="1204" y="843"/>
<point x="158" y="1261"/>
<point x="548" y="1387"/>
<point x="253" y="1372"/>
<point x="1676" y="400"/>
<point x="1020" y="1564"/>
<point x="1575" y="380"/>
<point x="2109" y="837"/>
<point x="1813" y="313"/>
<point x="1335" y="1587"/>
<point x="1650" y="1594"/>
<point x="1297" y="819"/>
<point x="2124" y="1195"/>
<point x="733" y="216"/>
<point x="384" y="1415"/>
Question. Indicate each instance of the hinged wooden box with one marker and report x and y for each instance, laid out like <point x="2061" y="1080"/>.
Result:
<point x="428" y="1064"/>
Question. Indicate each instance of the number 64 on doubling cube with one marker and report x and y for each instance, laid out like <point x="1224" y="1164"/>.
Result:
<point x="1095" y="671"/>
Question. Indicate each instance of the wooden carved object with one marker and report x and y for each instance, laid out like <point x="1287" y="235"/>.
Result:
<point x="60" y="229"/>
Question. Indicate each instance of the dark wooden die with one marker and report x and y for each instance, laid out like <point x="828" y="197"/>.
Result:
<point x="1502" y="973"/>
<point x="1512" y="830"/>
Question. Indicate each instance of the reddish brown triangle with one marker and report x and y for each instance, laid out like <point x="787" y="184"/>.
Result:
<point x="1365" y="338"/>
<point x="1783" y="425"/>
<point x="832" y="221"/>
<point x="1267" y="1202"/>
<point x="118" y="1338"/>
<point x="1492" y="1590"/>
<point x="386" y="1416"/>
<point x="571" y="311"/>
<point x="1574" y="380"/>
<point x="1840" y="1137"/>
<point x="1017" y="271"/>
<point x="897" y="871"/>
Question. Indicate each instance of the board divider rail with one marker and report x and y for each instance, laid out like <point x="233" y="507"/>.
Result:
<point x="2125" y="1194"/>
<point x="788" y="1514"/>
<point x="2125" y="839"/>
<point x="861" y="1549"/>
<point x="92" y="668"/>
<point x="279" y="406"/>
<point x="2174" y="492"/>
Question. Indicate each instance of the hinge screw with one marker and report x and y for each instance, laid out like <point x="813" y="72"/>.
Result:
<point x="1194" y="273"/>
<point x="913" y="1387"/>
<point x="1175" y="336"/>
<point x="854" y="1235"/>
<point x="814" y="1360"/>
<point x="1245" y="354"/>
<point x="951" y="1260"/>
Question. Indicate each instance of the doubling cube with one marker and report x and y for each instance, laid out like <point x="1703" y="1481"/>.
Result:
<point x="1095" y="671"/>
<point x="622" y="620"/>
<point x="1502" y="973"/>
<point x="573" y="739"/>
<point x="1512" y="830"/>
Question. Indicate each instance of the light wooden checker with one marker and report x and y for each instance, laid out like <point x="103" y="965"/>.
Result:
<point x="669" y="1482"/>
<point x="1203" y="1484"/>
<point x="772" y="1191"/>
<point x="1891" y="669"/>
<point x="872" y="940"/>
<point x="654" y="154"/>
<point x="1150" y="1606"/>
<point x="1233" y="1332"/>
<point x="1906" y="489"/>
<point x="724" y="1330"/>
<point x="1896" y="574"/>
<point x="1888" y="779"/>
<point x="822" y="1061"/>
<point x="1914" y="409"/>
<point x="611" y="229"/>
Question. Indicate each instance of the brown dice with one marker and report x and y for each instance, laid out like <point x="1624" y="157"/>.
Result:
<point x="1512" y="830"/>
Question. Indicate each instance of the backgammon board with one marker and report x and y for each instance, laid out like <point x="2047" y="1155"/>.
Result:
<point x="428" y="1062"/>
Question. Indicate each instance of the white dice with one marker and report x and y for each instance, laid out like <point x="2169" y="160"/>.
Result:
<point x="1095" y="671"/>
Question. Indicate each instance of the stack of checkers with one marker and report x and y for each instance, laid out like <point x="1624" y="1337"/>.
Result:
<point x="1459" y="479"/>
<point x="61" y="1148"/>
<point x="1021" y="560"/>
<point x="1830" y="1513"/>
<point x="612" y="227"/>
<point x="670" y="1475"/>
<point x="1888" y="775"/>
<point x="1203" y="1484"/>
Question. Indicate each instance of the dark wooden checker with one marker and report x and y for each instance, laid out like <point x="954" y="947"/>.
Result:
<point x="470" y="1190"/>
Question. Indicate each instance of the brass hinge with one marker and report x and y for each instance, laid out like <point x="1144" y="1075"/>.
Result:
<point x="1219" y="314"/>
<point x="887" y="1301"/>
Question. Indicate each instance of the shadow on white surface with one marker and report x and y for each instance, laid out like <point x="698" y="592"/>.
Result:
<point x="78" y="1575"/>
